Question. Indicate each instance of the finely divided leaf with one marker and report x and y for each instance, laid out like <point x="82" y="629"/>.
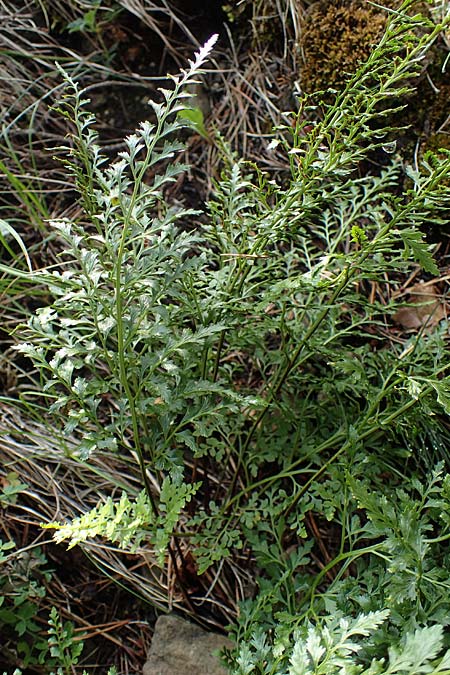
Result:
<point x="416" y="247"/>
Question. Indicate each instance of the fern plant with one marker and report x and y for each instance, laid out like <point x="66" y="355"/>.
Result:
<point x="114" y="348"/>
<point x="238" y="356"/>
<point x="391" y="577"/>
<point x="340" y="646"/>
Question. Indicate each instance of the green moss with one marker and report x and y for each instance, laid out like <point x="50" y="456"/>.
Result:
<point x="337" y="36"/>
<point x="438" y="142"/>
<point x="439" y="108"/>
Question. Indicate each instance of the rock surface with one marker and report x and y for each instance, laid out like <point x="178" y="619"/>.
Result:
<point x="182" y="648"/>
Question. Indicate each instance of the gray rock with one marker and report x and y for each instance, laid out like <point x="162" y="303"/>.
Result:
<point x="182" y="648"/>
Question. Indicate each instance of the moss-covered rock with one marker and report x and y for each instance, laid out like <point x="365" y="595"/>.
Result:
<point x="337" y="36"/>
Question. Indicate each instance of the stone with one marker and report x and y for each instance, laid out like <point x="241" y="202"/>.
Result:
<point x="182" y="648"/>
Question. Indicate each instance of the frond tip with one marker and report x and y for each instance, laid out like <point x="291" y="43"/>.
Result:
<point x="204" y="52"/>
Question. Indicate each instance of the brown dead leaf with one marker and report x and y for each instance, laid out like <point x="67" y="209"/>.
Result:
<point x="424" y="310"/>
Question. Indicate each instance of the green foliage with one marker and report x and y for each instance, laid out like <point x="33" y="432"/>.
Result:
<point x="23" y="575"/>
<point x="87" y="22"/>
<point x="7" y="232"/>
<point x="195" y="116"/>
<point x="64" y="647"/>
<point x="238" y="356"/>
<point x="22" y="589"/>
<point x="400" y="574"/>
<point x="340" y="646"/>
<point x="115" y="331"/>
<point x="129" y="523"/>
<point x="59" y="653"/>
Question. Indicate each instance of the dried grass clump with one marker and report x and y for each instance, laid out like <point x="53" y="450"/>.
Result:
<point x="254" y="80"/>
<point x="268" y="19"/>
